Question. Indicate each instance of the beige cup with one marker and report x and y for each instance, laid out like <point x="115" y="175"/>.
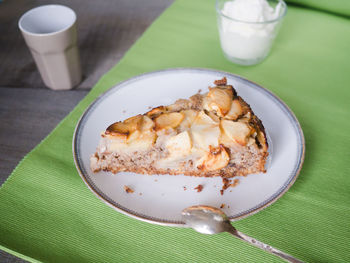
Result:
<point x="51" y="35"/>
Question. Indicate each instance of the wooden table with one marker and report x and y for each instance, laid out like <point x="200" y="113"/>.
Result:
<point x="29" y="110"/>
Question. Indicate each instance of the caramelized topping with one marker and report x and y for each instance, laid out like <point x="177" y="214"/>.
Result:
<point x="216" y="159"/>
<point x="126" y="127"/>
<point x="203" y="119"/>
<point x="218" y="100"/>
<point x="237" y="131"/>
<point x="134" y="122"/>
<point x="117" y="127"/>
<point x="169" y="120"/>
<point x="235" y="111"/>
<point x="147" y="124"/>
<point x="155" y="112"/>
<point x="189" y="117"/>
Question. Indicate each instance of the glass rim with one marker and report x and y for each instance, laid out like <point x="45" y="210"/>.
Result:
<point x="284" y="5"/>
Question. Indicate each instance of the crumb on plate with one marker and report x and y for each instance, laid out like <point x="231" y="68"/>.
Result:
<point x="228" y="183"/>
<point x="199" y="188"/>
<point x="128" y="189"/>
<point x="220" y="82"/>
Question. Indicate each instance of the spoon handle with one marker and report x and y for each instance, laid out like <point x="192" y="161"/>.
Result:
<point x="263" y="246"/>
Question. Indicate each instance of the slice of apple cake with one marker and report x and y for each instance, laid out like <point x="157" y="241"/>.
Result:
<point x="211" y="134"/>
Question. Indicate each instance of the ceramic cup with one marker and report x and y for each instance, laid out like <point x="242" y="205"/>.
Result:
<point x="51" y="35"/>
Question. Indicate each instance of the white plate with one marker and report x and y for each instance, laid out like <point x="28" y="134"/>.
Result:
<point x="160" y="199"/>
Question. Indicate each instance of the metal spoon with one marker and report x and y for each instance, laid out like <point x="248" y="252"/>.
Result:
<point x="211" y="220"/>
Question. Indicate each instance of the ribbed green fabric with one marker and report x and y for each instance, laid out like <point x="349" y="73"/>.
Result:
<point x="341" y="7"/>
<point x="47" y="214"/>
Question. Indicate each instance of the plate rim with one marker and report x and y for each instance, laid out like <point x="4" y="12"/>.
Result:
<point x="165" y="222"/>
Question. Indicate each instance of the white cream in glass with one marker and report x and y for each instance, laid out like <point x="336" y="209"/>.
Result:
<point x="247" y="28"/>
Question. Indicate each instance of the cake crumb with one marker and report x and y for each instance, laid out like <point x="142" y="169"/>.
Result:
<point x="156" y="180"/>
<point x="128" y="189"/>
<point x="221" y="82"/>
<point x="140" y="193"/>
<point x="185" y="188"/>
<point x="235" y="183"/>
<point x="228" y="183"/>
<point x="200" y="90"/>
<point x="149" y="107"/>
<point x="124" y="111"/>
<point x="222" y="206"/>
<point x="199" y="188"/>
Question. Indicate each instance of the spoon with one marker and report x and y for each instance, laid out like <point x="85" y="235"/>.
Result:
<point x="211" y="220"/>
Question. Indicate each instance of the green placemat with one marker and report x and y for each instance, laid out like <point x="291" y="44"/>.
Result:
<point x="341" y="7"/>
<point x="47" y="214"/>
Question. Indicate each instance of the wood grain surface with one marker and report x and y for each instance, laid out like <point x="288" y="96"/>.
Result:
<point x="29" y="110"/>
